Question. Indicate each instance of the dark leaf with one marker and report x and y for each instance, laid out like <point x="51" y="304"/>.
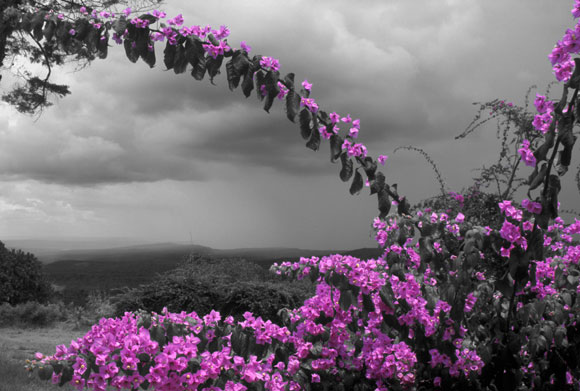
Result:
<point x="304" y="120"/>
<point x="130" y="50"/>
<point x="194" y="51"/>
<point x="241" y="63"/>
<point x="169" y="55"/>
<point x="292" y="105"/>
<point x="505" y="286"/>
<point x="36" y="25"/>
<point x="119" y="25"/>
<point x="198" y="72"/>
<point x="233" y="76"/>
<point x="213" y="66"/>
<point x="260" y="81"/>
<point x="335" y="147"/>
<point x="103" y="46"/>
<point x="289" y="81"/>
<point x="45" y="372"/>
<point x="403" y="206"/>
<point x="368" y="304"/>
<point x="272" y="89"/>
<point x="549" y="138"/>
<point x="370" y="166"/>
<point x="347" y="167"/>
<point x="180" y="60"/>
<point x="384" y="203"/>
<point x="346" y="299"/>
<point x="537" y="177"/>
<point x="357" y="183"/>
<point x="314" y="142"/>
<point x="49" y="29"/>
<point x="378" y="183"/>
<point x="248" y="83"/>
<point x="66" y="375"/>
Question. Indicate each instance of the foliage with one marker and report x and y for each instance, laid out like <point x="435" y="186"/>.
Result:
<point x="32" y="314"/>
<point x="32" y="94"/>
<point x="232" y="286"/>
<point x="21" y="278"/>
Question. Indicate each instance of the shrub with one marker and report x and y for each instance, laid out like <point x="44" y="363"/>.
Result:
<point x="32" y="314"/>
<point x="21" y="278"/>
<point x="203" y="284"/>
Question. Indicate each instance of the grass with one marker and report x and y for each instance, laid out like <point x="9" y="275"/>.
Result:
<point x="19" y="344"/>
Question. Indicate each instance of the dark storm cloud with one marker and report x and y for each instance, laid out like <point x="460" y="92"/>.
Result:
<point x="409" y="71"/>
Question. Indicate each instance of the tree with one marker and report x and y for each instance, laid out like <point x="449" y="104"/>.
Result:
<point x="46" y="19"/>
<point x="21" y="278"/>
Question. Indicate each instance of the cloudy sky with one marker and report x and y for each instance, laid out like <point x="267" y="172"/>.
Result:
<point x="146" y="154"/>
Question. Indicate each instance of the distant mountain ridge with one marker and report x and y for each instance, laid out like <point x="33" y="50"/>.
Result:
<point x="82" y="271"/>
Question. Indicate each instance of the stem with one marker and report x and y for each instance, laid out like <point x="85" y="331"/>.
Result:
<point x="512" y="302"/>
<point x="510" y="181"/>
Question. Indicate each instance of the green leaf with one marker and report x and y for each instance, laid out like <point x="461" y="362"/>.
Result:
<point x="357" y="183"/>
<point x="304" y="120"/>
<point x="335" y="147"/>
<point x="149" y="57"/>
<point x="347" y="167"/>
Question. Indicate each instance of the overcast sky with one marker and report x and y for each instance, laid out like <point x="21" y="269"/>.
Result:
<point x="143" y="153"/>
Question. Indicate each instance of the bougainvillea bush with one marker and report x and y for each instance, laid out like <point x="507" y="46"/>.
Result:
<point x="427" y="314"/>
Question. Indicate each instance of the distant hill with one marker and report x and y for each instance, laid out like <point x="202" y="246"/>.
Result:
<point x="80" y="271"/>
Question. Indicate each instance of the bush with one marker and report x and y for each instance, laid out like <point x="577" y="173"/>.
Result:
<point x="201" y="284"/>
<point x="21" y="278"/>
<point x="32" y="314"/>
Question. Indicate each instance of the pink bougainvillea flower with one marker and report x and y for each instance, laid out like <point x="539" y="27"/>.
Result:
<point x="576" y="10"/>
<point x="543" y="105"/>
<point x="382" y="159"/>
<point x="310" y="104"/>
<point x="527" y="155"/>
<point x="270" y="63"/>
<point x="307" y="86"/>
<point x="126" y="11"/>
<point x="558" y="54"/>
<point x="247" y="48"/>
<point x="334" y="117"/>
<point x="563" y="70"/>
<point x="222" y="33"/>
